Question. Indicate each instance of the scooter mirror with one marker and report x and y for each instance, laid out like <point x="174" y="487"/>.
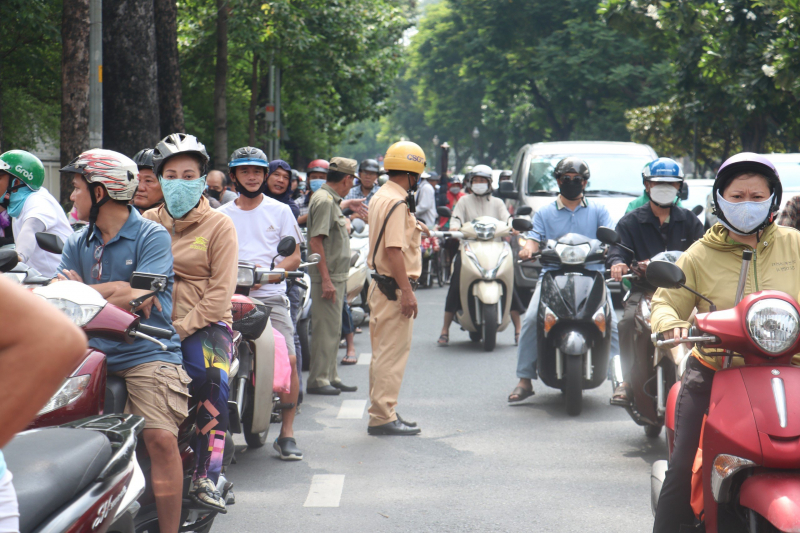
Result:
<point x="49" y="242"/>
<point x="665" y="275"/>
<point x="607" y="235"/>
<point x="444" y="211"/>
<point x="145" y="281"/>
<point x="521" y="224"/>
<point x="523" y="211"/>
<point x="313" y="258"/>
<point x="287" y="246"/>
<point x="506" y="190"/>
<point x="697" y="209"/>
<point x="8" y="260"/>
<point x="358" y="225"/>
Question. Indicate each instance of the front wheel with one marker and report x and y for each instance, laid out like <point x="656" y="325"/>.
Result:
<point x="574" y="384"/>
<point x="253" y="440"/>
<point x="489" y="313"/>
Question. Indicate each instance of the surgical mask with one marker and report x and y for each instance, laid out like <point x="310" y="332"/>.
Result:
<point x="571" y="189"/>
<point x="182" y="195"/>
<point x="480" y="188"/>
<point x="744" y="218"/>
<point x="316" y="184"/>
<point x="18" y="198"/>
<point x="663" y="194"/>
<point x="455" y="190"/>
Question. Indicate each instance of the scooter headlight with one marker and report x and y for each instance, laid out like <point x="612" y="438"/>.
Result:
<point x="773" y="325"/>
<point x="246" y="276"/>
<point x="69" y="391"/>
<point x="80" y="314"/>
<point x="573" y="254"/>
<point x="483" y="231"/>
<point x="724" y="468"/>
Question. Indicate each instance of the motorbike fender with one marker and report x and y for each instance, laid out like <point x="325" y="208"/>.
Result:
<point x="264" y="359"/>
<point x="573" y="343"/>
<point x="657" y="474"/>
<point x="488" y="292"/>
<point x="776" y="497"/>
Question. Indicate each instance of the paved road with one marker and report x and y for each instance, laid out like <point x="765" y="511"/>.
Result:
<point x="479" y="464"/>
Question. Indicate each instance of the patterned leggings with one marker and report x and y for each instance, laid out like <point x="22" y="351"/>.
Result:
<point x="207" y="358"/>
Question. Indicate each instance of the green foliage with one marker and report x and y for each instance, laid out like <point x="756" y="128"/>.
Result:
<point x="361" y="141"/>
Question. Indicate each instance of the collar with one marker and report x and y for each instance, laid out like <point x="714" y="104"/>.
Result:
<point x="329" y="189"/>
<point x="560" y="205"/>
<point x="129" y="230"/>
<point x="396" y="189"/>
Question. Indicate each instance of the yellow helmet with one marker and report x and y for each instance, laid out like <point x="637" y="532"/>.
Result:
<point x="405" y="156"/>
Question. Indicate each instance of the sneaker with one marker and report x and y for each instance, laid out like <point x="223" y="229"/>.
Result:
<point x="205" y="493"/>
<point x="287" y="449"/>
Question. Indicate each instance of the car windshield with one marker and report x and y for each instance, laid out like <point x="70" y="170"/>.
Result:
<point x="610" y="174"/>
<point x="789" y="173"/>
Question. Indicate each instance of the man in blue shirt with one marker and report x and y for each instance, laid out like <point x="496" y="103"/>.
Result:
<point x="570" y="213"/>
<point x="117" y="243"/>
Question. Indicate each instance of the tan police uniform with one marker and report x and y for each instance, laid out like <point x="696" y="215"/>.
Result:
<point x="325" y="218"/>
<point x="390" y="332"/>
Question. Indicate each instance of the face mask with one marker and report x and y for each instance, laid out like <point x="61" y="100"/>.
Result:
<point x="663" y="195"/>
<point x="18" y="198"/>
<point x="744" y="217"/>
<point x="571" y="189"/>
<point x="316" y="184"/>
<point x="455" y="190"/>
<point x="182" y="195"/>
<point x="213" y="194"/>
<point x="480" y="188"/>
<point x="301" y="186"/>
<point x="413" y="187"/>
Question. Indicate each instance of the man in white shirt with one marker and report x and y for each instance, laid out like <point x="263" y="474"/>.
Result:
<point x="261" y="223"/>
<point x="32" y="209"/>
<point x="426" y="202"/>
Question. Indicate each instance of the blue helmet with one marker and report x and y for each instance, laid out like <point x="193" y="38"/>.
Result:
<point x="663" y="170"/>
<point x="248" y="156"/>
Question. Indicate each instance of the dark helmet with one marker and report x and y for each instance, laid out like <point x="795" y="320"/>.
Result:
<point x="296" y="176"/>
<point x="748" y="162"/>
<point x="144" y="158"/>
<point x="506" y="174"/>
<point x="369" y="165"/>
<point x="317" y="165"/>
<point x="572" y="164"/>
<point x="248" y="155"/>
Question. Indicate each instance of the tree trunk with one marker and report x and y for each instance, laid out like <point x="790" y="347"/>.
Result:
<point x="170" y="105"/>
<point x="754" y="134"/>
<point x="253" y="99"/>
<point x="2" y="143"/>
<point x="130" y="95"/>
<point x="75" y="76"/>
<point x="220" y="82"/>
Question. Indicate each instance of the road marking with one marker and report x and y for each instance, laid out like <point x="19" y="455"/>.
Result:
<point x="364" y="358"/>
<point x="352" y="409"/>
<point x="325" y="491"/>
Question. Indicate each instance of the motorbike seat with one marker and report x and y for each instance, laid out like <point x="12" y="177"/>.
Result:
<point x="116" y="395"/>
<point x="52" y="466"/>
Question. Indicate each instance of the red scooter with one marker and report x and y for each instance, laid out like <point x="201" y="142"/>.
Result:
<point x="751" y="438"/>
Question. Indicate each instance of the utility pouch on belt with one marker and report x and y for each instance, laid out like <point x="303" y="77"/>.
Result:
<point x="386" y="284"/>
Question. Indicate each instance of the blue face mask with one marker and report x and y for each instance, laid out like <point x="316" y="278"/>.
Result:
<point x="182" y="195"/>
<point x="744" y="217"/>
<point x="315" y="184"/>
<point x="18" y="198"/>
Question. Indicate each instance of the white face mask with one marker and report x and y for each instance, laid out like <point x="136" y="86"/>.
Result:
<point x="480" y="188"/>
<point x="455" y="190"/>
<point x="663" y="194"/>
<point x="744" y="216"/>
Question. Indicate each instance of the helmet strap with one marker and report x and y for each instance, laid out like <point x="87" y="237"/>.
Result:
<point x="95" y="210"/>
<point x="244" y="192"/>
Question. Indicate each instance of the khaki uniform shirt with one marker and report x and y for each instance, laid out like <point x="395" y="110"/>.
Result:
<point x="402" y="231"/>
<point x="325" y="218"/>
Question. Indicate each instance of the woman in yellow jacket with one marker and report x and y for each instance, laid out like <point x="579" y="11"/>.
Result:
<point x="747" y="192"/>
<point x="205" y="249"/>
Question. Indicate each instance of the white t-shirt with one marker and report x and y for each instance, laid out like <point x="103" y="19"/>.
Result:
<point x="259" y="231"/>
<point x="42" y="206"/>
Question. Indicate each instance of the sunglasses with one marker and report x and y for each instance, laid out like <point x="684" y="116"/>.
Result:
<point x="97" y="269"/>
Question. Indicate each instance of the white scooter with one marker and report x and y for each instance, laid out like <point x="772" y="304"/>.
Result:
<point x="487" y="276"/>
<point x="359" y="277"/>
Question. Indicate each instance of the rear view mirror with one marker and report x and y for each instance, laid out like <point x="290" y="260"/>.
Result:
<point x="683" y="194"/>
<point x="313" y="258"/>
<point x="665" y="275"/>
<point x="444" y="211"/>
<point x="358" y="225"/>
<point x="287" y="246"/>
<point x="697" y="209"/>
<point x="522" y="224"/>
<point x="144" y="281"/>
<point x="8" y="260"/>
<point x="607" y="235"/>
<point x="50" y="242"/>
<point x="524" y="210"/>
<point x="506" y="190"/>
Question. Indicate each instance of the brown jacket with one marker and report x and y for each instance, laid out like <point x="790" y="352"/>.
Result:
<point x="206" y="250"/>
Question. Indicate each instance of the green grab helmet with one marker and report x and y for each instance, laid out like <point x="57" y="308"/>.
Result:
<point x="25" y="166"/>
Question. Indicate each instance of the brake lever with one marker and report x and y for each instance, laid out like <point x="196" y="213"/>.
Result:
<point x="141" y="335"/>
<point x="688" y="340"/>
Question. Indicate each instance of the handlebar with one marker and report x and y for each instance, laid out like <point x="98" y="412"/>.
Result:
<point x="658" y="340"/>
<point x="447" y="234"/>
<point x="159" y="333"/>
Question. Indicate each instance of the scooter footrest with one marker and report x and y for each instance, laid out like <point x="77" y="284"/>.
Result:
<point x="282" y="406"/>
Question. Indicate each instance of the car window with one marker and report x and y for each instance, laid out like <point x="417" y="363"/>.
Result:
<point x="618" y="173"/>
<point x="789" y="173"/>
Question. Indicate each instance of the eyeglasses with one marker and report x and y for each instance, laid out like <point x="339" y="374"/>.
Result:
<point x="97" y="269"/>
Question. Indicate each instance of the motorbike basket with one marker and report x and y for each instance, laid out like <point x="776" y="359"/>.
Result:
<point x="249" y="316"/>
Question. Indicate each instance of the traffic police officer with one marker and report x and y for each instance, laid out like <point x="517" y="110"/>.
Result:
<point x="394" y="255"/>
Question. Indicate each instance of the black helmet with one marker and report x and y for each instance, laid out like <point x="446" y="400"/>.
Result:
<point x="248" y="155"/>
<point x="369" y="165"/>
<point x="144" y="158"/>
<point x="572" y="164"/>
<point x="740" y="164"/>
<point x="505" y="174"/>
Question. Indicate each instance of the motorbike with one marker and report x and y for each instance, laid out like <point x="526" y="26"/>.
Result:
<point x="487" y="276"/>
<point x="431" y="255"/>
<point x="79" y="477"/>
<point x="359" y="277"/>
<point x="751" y="439"/>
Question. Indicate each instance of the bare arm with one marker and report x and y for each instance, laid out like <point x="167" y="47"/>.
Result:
<point x="291" y="262"/>
<point x="315" y="243"/>
<point x="302" y="219"/>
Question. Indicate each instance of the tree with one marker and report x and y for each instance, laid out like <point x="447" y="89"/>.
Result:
<point x="220" y="82"/>
<point x="170" y="103"/>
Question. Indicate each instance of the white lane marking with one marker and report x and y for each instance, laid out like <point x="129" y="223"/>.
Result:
<point x="364" y="358"/>
<point x="352" y="409"/>
<point x="325" y="491"/>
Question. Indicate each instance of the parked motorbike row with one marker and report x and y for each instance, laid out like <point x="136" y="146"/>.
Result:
<point x="80" y="466"/>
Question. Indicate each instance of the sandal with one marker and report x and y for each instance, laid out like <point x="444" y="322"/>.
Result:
<point x="349" y="359"/>
<point x="521" y="393"/>
<point x="205" y="493"/>
<point x="358" y="330"/>
<point x="444" y="340"/>
<point x="621" y="395"/>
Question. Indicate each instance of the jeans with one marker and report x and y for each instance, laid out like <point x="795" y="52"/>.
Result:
<point x="347" y="321"/>
<point x="528" y="350"/>
<point x="295" y="300"/>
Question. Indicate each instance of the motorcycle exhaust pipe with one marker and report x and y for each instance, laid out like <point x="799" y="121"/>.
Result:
<point x="559" y="365"/>
<point x="588" y="371"/>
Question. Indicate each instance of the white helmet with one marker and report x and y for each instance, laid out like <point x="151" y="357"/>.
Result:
<point x="482" y="171"/>
<point x="178" y="143"/>
<point x="113" y="170"/>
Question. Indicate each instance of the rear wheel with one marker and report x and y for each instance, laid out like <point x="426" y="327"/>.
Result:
<point x="574" y="385"/>
<point x="254" y="440"/>
<point x="304" y="332"/>
<point x="652" y="432"/>
<point x="489" y="314"/>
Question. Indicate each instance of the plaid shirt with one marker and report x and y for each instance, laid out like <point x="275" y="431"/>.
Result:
<point x="356" y="194"/>
<point x="790" y="216"/>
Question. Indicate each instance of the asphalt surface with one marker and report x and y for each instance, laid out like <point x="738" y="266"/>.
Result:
<point x="480" y="464"/>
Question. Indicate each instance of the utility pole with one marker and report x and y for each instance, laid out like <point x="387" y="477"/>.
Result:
<point x="95" y="74"/>
<point x="270" y="117"/>
<point x="276" y="154"/>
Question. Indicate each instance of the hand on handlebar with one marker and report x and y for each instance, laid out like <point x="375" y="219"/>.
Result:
<point x="677" y="333"/>
<point x="527" y="251"/>
<point x="618" y="270"/>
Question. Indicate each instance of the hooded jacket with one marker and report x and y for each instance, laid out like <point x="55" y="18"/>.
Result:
<point x="712" y="266"/>
<point x="206" y="252"/>
<point x="285" y="198"/>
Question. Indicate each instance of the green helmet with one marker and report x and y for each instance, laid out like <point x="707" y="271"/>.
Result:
<point x="25" y="166"/>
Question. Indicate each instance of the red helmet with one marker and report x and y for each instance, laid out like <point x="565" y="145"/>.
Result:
<point x="317" y="165"/>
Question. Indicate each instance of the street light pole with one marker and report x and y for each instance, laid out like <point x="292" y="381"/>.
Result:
<point x="95" y="73"/>
<point x="476" y="133"/>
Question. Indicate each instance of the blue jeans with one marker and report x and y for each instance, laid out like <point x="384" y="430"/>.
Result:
<point x="528" y="349"/>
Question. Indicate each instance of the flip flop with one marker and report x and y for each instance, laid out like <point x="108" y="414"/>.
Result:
<point x="444" y="340"/>
<point x="621" y="396"/>
<point x="349" y="360"/>
<point x="521" y="393"/>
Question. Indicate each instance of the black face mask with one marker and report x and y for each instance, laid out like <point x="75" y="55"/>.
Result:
<point x="244" y="192"/>
<point x="214" y="194"/>
<point x="571" y="189"/>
